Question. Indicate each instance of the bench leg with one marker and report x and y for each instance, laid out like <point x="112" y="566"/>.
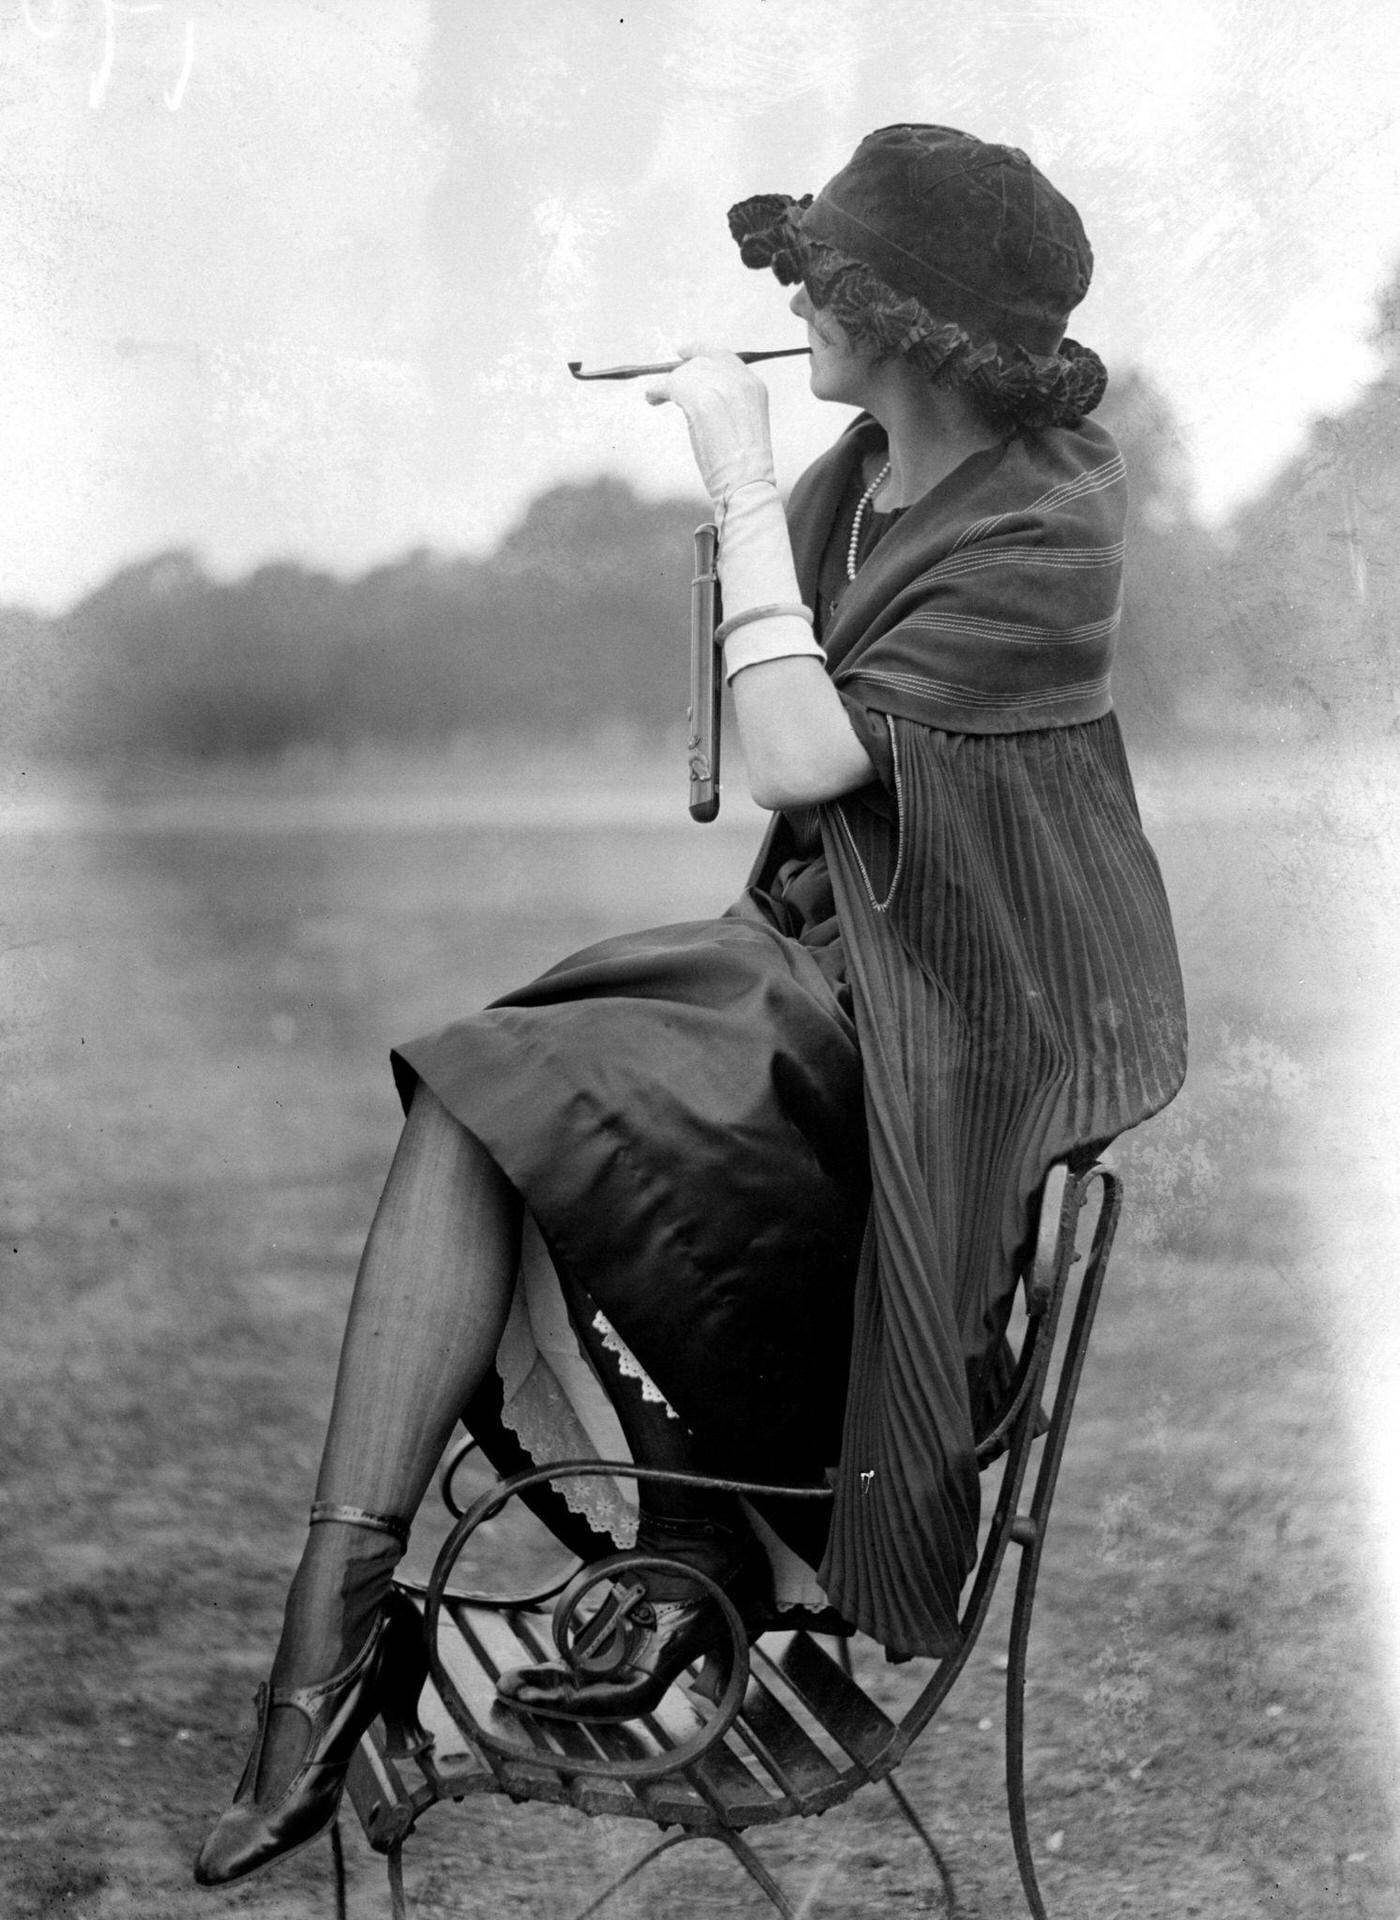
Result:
<point x="398" y="1902"/>
<point x="338" y="1869"/>
<point x="741" y="1850"/>
<point x="1028" y="1529"/>
<point x="652" y="1853"/>
<point x="757" y="1872"/>
<point x="398" y="1905"/>
<point x="1016" y="1733"/>
<point x="901" y="1800"/>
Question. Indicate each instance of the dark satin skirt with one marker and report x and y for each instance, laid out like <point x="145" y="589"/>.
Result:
<point x="682" y="1112"/>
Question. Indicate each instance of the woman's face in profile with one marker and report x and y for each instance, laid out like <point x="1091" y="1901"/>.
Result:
<point x="840" y="368"/>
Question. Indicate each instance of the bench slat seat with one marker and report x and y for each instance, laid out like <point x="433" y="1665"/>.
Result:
<point x="767" y="1767"/>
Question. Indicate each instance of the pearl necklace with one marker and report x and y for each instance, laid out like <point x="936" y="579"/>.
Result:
<point x="870" y="492"/>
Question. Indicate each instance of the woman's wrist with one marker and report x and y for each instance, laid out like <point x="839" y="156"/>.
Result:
<point x="767" y="485"/>
<point x="771" y="610"/>
<point x="755" y="554"/>
<point x="772" y="632"/>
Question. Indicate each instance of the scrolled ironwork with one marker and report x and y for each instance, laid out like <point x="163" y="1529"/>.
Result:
<point x="671" y="1759"/>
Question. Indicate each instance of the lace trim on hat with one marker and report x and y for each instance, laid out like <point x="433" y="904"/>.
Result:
<point x="1015" y="388"/>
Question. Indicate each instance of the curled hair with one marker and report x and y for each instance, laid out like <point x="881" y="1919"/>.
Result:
<point x="1016" y="391"/>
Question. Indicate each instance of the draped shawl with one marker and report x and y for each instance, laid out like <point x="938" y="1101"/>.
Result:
<point x="1010" y="954"/>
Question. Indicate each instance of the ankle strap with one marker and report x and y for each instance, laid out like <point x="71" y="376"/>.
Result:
<point x="360" y="1517"/>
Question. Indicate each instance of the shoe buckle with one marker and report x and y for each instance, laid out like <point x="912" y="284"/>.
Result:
<point x="605" y="1641"/>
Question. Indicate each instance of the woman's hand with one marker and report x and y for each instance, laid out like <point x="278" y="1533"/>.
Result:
<point x="726" y="409"/>
<point x="799" y="744"/>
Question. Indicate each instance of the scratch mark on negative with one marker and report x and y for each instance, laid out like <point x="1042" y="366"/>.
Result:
<point x="177" y="92"/>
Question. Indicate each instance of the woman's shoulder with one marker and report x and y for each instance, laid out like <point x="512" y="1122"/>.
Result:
<point x="1059" y="454"/>
<point x="1059" y="478"/>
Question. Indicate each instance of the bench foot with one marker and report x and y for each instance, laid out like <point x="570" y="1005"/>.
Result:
<point x="338" y="1869"/>
<point x="741" y="1851"/>
<point x="652" y="1853"/>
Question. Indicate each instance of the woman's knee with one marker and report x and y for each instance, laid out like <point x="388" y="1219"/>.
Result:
<point x="428" y="1117"/>
<point x="434" y="1144"/>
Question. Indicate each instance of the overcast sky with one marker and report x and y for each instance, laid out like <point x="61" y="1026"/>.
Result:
<point x="299" y="277"/>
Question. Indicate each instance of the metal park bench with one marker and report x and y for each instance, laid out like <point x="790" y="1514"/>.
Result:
<point x="789" y="1730"/>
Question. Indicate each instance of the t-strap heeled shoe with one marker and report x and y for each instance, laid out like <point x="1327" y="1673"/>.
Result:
<point x="662" y="1633"/>
<point x="385" y="1678"/>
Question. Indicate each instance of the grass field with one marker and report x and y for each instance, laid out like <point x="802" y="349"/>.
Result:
<point x="203" y="980"/>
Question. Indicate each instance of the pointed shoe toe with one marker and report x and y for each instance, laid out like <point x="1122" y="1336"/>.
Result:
<point x="251" y="1833"/>
<point x="244" y="1838"/>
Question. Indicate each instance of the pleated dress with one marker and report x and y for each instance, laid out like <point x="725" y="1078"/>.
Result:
<point x="686" y="1112"/>
<point x="682" y="1112"/>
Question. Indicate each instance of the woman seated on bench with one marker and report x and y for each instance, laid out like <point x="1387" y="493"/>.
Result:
<point x="785" y="1159"/>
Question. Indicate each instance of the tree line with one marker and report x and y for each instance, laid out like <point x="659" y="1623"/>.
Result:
<point x="1281" y="622"/>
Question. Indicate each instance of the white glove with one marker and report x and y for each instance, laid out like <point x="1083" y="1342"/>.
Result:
<point x="726" y="408"/>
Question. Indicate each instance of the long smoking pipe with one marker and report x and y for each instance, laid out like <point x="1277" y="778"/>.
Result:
<point x="669" y="366"/>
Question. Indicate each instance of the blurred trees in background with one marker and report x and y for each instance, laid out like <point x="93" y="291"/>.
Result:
<point x="580" y="617"/>
<point x="1309" y="594"/>
<point x="1164" y="659"/>
<point x="1279" y="624"/>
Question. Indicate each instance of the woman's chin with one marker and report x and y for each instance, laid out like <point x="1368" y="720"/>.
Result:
<point x="828" y="386"/>
<point x="833" y="376"/>
<point x="825" y="379"/>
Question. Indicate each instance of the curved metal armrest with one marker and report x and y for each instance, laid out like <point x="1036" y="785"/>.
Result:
<point x="490" y="1503"/>
<point x="447" y="1472"/>
<point x="646" y="1767"/>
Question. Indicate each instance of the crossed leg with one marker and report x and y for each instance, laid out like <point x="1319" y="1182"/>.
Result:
<point x="429" y="1304"/>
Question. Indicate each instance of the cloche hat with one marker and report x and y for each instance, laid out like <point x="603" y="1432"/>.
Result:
<point x="944" y="243"/>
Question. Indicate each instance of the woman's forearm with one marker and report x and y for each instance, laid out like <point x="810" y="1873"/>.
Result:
<point x="799" y="744"/>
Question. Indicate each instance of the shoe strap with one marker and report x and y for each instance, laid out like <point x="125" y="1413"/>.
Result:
<point x="360" y="1517"/>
